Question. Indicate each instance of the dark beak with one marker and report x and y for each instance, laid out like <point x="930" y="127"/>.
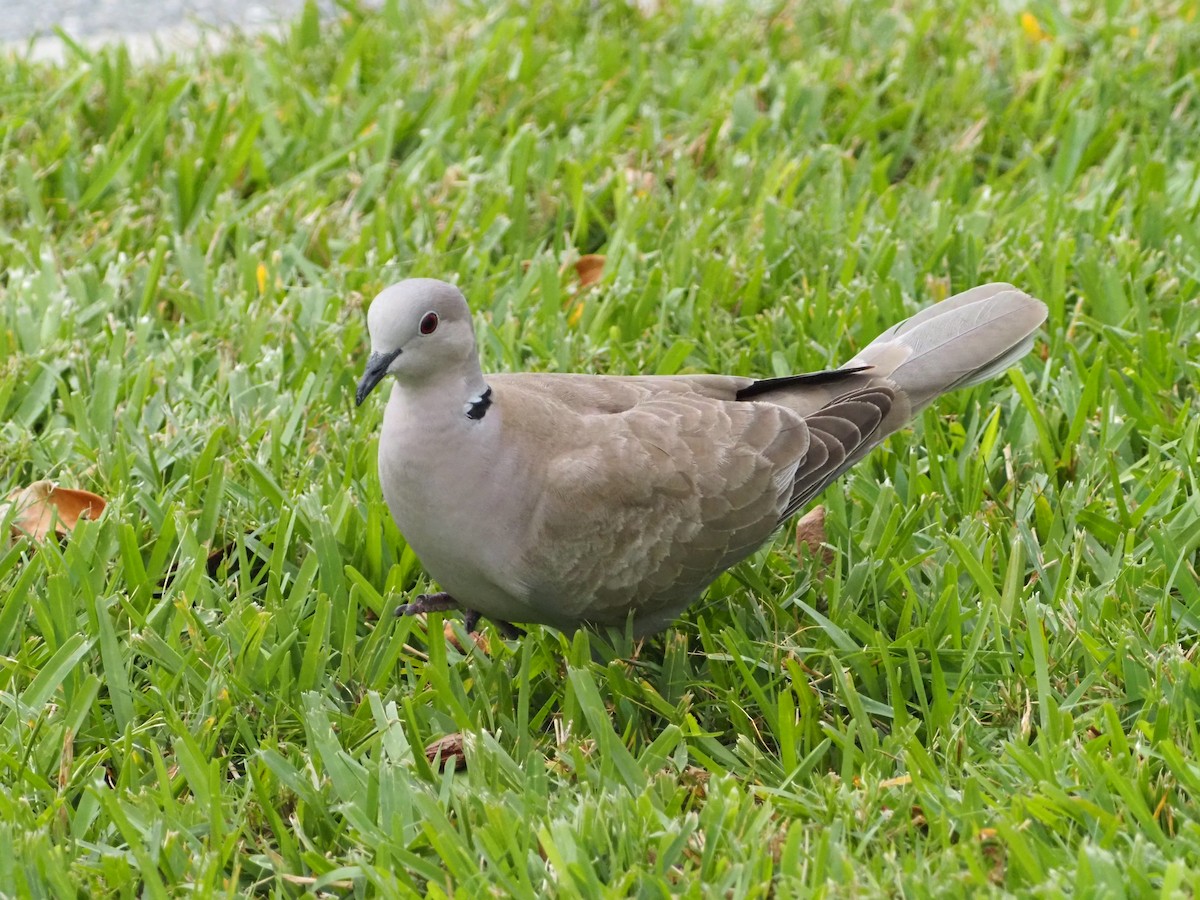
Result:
<point x="377" y="366"/>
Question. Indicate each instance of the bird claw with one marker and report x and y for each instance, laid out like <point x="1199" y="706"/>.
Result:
<point x="427" y="603"/>
<point x="441" y="602"/>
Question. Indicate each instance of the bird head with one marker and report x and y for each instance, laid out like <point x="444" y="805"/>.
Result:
<point x="420" y="329"/>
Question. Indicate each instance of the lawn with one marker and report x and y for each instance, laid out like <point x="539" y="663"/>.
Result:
<point x="990" y="687"/>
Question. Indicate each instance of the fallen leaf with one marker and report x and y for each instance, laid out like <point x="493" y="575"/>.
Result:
<point x="810" y="536"/>
<point x="478" y="637"/>
<point x="898" y="781"/>
<point x="589" y="268"/>
<point x="447" y="751"/>
<point x="44" y="507"/>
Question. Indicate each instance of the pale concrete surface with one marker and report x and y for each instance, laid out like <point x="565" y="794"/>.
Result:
<point x="147" y="27"/>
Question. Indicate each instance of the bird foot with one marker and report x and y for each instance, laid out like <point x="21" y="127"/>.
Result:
<point x="441" y="602"/>
<point x="508" y="630"/>
<point x="427" y="603"/>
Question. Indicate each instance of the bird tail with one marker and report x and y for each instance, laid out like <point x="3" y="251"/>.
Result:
<point x="967" y="339"/>
<point x="962" y="341"/>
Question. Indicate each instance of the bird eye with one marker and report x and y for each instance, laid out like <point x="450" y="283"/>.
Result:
<point x="429" y="323"/>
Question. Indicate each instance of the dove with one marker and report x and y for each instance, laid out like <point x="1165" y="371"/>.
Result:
<point x="575" y="500"/>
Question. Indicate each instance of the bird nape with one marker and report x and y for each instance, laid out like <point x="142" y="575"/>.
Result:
<point x="572" y="500"/>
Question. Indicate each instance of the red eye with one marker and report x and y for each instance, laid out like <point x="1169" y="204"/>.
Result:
<point x="429" y="323"/>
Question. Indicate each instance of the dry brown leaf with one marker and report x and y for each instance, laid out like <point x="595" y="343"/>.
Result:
<point x="44" y="507"/>
<point x="478" y="637"/>
<point x="589" y="268"/>
<point x="810" y="536"/>
<point x="447" y="751"/>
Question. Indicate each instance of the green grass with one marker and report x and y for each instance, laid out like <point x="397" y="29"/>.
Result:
<point x="992" y="687"/>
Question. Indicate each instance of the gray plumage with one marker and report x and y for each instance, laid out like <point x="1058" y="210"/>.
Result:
<point x="582" y="499"/>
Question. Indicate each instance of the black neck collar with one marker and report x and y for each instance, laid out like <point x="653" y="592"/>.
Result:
<point x="477" y="408"/>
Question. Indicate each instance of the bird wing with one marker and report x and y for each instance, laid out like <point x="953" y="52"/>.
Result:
<point x="643" y="506"/>
<point x="640" y="509"/>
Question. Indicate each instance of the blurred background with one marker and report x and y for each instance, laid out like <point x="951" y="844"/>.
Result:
<point x="145" y="24"/>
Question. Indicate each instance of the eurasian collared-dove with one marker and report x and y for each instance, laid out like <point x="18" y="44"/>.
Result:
<point x="586" y="499"/>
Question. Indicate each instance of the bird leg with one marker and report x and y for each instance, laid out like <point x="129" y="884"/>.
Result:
<point x="441" y="602"/>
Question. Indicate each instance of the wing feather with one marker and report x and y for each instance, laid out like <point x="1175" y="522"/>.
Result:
<point x="845" y="430"/>
<point x="644" y="507"/>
